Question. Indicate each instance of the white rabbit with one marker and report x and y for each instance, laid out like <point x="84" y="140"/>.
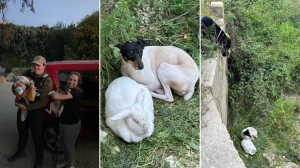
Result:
<point x="249" y="133"/>
<point x="129" y="109"/>
<point x="23" y="79"/>
<point x="248" y="146"/>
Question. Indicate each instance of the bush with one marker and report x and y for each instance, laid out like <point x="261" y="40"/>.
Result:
<point x="263" y="66"/>
<point x="8" y="70"/>
<point x="85" y="45"/>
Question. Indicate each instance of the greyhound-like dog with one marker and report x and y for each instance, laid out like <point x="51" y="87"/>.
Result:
<point x="160" y="68"/>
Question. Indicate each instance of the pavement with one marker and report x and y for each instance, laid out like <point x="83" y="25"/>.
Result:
<point x="87" y="151"/>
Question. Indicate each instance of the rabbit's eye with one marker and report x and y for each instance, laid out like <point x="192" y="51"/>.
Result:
<point x="135" y="121"/>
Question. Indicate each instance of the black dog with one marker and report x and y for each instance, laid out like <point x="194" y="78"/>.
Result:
<point x="206" y="25"/>
<point x="64" y="89"/>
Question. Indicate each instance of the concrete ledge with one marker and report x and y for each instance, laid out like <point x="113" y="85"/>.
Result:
<point x="214" y="79"/>
<point x="217" y="149"/>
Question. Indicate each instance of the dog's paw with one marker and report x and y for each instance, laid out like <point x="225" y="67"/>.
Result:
<point x="48" y="111"/>
<point x="169" y="99"/>
<point x="50" y="93"/>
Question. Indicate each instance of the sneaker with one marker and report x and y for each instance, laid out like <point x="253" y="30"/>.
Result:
<point x="61" y="164"/>
<point x="18" y="155"/>
<point x="39" y="161"/>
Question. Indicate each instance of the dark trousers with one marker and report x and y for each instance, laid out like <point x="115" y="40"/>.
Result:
<point x="34" y="121"/>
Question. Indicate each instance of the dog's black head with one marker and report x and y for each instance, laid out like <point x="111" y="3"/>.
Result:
<point x="247" y="133"/>
<point x="208" y="26"/>
<point x="132" y="53"/>
<point x="64" y="89"/>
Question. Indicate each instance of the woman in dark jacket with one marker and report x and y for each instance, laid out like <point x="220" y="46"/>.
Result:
<point x="69" y="121"/>
<point x="35" y="111"/>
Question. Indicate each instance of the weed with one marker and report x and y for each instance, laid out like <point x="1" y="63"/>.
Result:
<point x="264" y="66"/>
<point x="176" y="130"/>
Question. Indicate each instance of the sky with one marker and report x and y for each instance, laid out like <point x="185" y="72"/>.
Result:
<point x="49" y="12"/>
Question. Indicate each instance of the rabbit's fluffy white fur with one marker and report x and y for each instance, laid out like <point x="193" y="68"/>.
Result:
<point x="252" y="133"/>
<point x="129" y="110"/>
<point x="248" y="146"/>
<point x="23" y="79"/>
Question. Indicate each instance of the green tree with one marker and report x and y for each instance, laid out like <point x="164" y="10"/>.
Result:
<point x="85" y="45"/>
<point x="58" y="36"/>
<point x="25" y="3"/>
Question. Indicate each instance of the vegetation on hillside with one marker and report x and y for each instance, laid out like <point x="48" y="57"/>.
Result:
<point x="20" y="44"/>
<point x="85" y="45"/>
<point x="264" y="69"/>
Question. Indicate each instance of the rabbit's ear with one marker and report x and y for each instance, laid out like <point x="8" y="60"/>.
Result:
<point x="122" y="114"/>
<point x="140" y="97"/>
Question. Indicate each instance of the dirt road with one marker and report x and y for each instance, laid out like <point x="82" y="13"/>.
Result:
<point x="87" y="151"/>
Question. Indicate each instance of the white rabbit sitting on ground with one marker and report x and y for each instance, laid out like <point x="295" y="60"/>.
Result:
<point x="249" y="133"/>
<point x="129" y="110"/>
<point x="248" y="146"/>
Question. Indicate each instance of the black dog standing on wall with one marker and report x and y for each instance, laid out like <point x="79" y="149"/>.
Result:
<point x="220" y="35"/>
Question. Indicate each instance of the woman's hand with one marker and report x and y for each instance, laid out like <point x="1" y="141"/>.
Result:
<point x="23" y="95"/>
<point x="22" y="107"/>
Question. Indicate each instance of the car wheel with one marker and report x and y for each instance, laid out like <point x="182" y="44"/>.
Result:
<point x="51" y="137"/>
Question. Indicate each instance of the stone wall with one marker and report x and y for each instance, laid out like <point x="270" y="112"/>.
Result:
<point x="217" y="149"/>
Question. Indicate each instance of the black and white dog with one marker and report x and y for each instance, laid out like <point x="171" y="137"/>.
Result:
<point x="160" y="69"/>
<point x="206" y="25"/>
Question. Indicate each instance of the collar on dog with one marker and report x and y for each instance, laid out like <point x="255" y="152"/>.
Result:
<point x="219" y="34"/>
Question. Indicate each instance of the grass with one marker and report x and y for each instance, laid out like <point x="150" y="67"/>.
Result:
<point x="176" y="132"/>
<point x="176" y="125"/>
<point x="11" y="60"/>
<point x="20" y="71"/>
<point x="263" y="67"/>
<point x="278" y="134"/>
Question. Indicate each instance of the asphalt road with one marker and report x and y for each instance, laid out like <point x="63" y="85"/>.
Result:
<point x="87" y="151"/>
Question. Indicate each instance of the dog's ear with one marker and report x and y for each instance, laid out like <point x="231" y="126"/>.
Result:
<point x="247" y="133"/>
<point x="228" y="45"/>
<point x="120" y="46"/>
<point x="142" y="43"/>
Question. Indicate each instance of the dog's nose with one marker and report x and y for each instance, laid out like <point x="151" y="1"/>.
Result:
<point x="141" y="67"/>
<point x="225" y="54"/>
